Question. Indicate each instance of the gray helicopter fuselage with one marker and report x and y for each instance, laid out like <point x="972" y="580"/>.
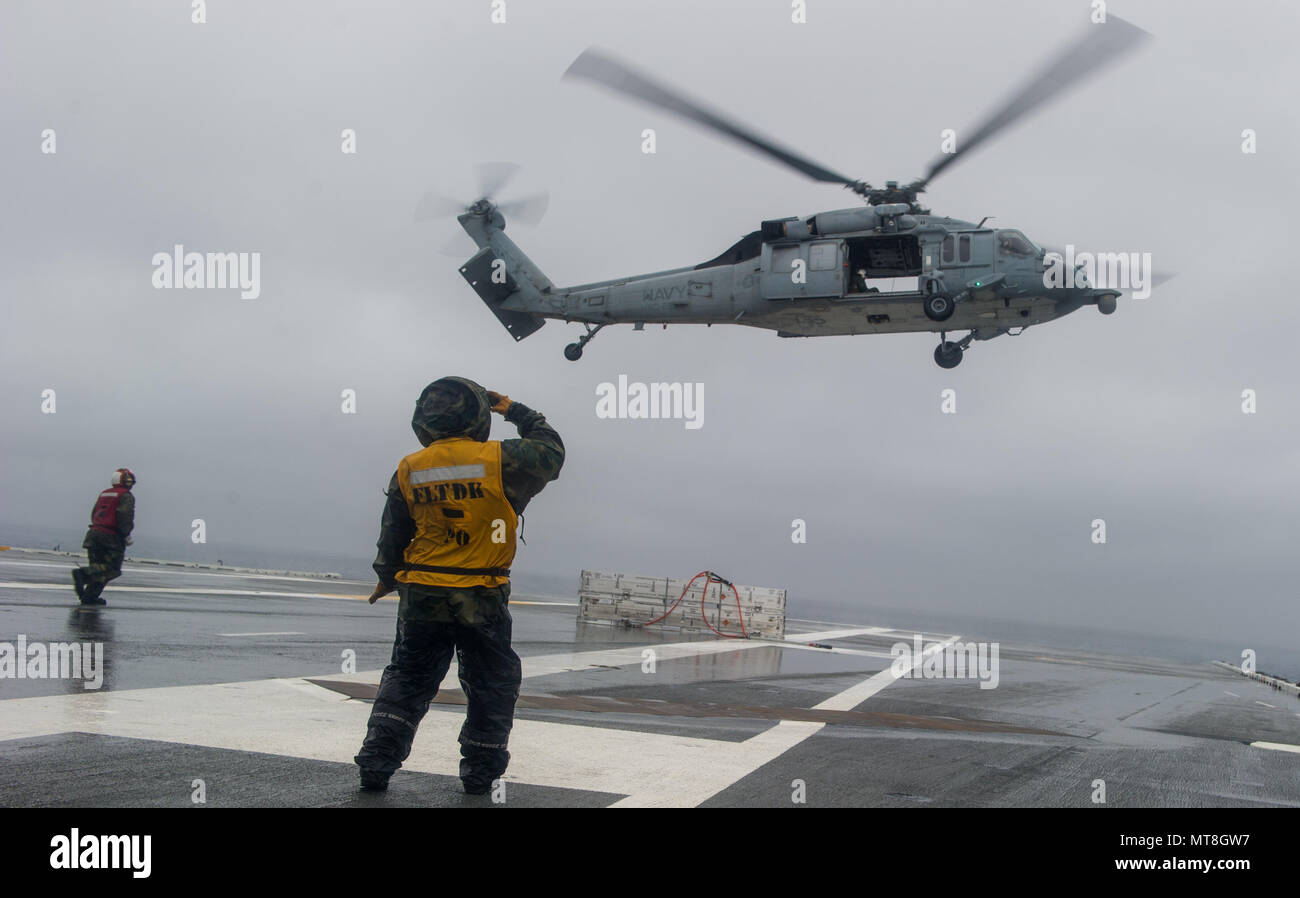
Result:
<point x="863" y="270"/>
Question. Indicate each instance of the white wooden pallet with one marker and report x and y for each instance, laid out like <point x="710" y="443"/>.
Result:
<point x="635" y="599"/>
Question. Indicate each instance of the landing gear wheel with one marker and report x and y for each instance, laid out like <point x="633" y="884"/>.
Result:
<point x="938" y="307"/>
<point x="573" y="351"/>
<point x="947" y="355"/>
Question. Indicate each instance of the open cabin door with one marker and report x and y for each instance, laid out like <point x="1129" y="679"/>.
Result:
<point x="882" y="265"/>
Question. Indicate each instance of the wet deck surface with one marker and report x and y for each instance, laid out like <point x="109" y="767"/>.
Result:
<point x="239" y="680"/>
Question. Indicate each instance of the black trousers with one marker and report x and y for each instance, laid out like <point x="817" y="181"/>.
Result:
<point x="490" y="674"/>
<point x="105" y="564"/>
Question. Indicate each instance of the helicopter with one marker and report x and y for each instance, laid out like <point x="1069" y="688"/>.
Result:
<point x="888" y="266"/>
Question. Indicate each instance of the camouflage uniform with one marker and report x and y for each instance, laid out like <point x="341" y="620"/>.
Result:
<point x="473" y="622"/>
<point x="105" y="552"/>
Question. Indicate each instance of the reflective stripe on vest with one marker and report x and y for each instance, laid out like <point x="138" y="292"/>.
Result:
<point x="104" y="515"/>
<point x="454" y="492"/>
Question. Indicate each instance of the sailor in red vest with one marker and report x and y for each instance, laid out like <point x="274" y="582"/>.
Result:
<point x="446" y="544"/>
<point x="111" y="521"/>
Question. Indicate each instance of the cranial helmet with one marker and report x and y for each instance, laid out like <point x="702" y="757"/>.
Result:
<point x="123" y="477"/>
<point x="452" y="407"/>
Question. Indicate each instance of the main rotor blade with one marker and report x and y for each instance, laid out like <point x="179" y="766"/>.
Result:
<point x="604" y="70"/>
<point x="1107" y="42"/>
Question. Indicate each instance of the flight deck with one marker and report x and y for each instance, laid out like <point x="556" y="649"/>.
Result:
<point x="253" y="690"/>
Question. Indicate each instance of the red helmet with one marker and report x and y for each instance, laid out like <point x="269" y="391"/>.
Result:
<point x="123" y="477"/>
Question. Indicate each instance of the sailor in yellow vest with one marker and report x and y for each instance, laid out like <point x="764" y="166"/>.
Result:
<point x="446" y="543"/>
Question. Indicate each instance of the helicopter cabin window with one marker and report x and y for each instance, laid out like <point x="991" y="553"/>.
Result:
<point x="975" y="248"/>
<point x="783" y="258"/>
<point x="824" y="256"/>
<point x="1014" y="243"/>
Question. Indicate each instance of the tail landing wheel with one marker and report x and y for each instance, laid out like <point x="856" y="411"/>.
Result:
<point x="573" y="351"/>
<point x="948" y="355"/>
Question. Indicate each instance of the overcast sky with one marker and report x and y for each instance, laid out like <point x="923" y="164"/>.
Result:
<point x="225" y="137"/>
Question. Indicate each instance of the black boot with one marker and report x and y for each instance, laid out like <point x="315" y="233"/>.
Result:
<point x="373" y="781"/>
<point x="476" y="785"/>
<point x="79" y="582"/>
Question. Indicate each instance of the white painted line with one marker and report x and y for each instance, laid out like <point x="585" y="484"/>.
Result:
<point x="209" y="591"/>
<point x="189" y="590"/>
<point x="1233" y="694"/>
<point x="282" y="633"/>
<point x="821" y="635"/>
<point x="1276" y="746"/>
<point x="757" y="751"/>
<point x="835" y="650"/>
<point x="1266" y="704"/>
<point x="295" y="719"/>
<point x="632" y="657"/>
<point x="66" y="567"/>
<point x="133" y="567"/>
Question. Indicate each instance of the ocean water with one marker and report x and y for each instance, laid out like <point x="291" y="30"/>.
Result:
<point x="1279" y="660"/>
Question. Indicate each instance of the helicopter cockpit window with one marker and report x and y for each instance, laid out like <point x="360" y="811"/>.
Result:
<point x="1015" y="243"/>
<point x="949" y="246"/>
<point x="823" y="256"/>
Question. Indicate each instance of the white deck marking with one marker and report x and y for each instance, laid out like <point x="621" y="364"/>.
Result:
<point x="568" y="662"/>
<point x="755" y="752"/>
<point x="1276" y="746"/>
<point x="823" y="635"/>
<point x="1265" y="704"/>
<point x="294" y="718"/>
<point x="1233" y="694"/>
<point x="192" y="590"/>
<point x="136" y="567"/>
<point x="833" y="650"/>
<point x="207" y="591"/>
<point x="819" y="635"/>
<point x="281" y="633"/>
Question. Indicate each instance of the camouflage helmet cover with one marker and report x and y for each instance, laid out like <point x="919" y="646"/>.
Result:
<point x="452" y="407"/>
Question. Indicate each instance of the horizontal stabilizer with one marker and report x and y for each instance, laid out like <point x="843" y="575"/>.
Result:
<point x="478" y="271"/>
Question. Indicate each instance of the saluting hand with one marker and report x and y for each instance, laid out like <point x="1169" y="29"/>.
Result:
<point x="500" y="402"/>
